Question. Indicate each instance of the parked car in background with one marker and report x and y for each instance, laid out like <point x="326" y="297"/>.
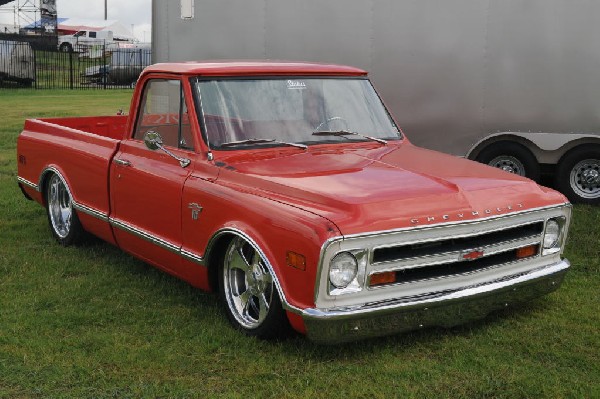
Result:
<point x="126" y="64"/>
<point x="17" y="62"/>
<point x="84" y="39"/>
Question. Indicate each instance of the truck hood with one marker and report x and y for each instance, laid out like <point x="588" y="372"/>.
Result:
<point x="369" y="187"/>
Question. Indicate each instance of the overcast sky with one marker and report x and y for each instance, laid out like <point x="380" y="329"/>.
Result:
<point x="136" y="12"/>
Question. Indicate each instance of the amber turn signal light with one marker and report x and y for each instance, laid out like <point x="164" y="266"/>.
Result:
<point x="295" y="260"/>
<point x="382" y="278"/>
<point x="527" y="252"/>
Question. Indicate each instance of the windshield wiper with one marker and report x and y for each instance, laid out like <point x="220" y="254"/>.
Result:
<point x="342" y="133"/>
<point x="262" y="141"/>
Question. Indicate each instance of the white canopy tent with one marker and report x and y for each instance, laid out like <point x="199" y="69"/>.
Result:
<point x="72" y="25"/>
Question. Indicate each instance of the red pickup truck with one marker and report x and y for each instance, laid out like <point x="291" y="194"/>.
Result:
<point x="290" y="190"/>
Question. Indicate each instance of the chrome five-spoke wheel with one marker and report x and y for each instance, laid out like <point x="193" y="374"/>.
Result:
<point x="60" y="207"/>
<point x="248" y="284"/>
<point x="63" y="220"/>
<point x="248" y="291"/>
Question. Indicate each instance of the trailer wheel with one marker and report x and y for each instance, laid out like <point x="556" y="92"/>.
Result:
<point x="248" y="293"/>
<point x="62" y="218"/>
<point x="578" y="175"/>
<point x="511" y="157"/>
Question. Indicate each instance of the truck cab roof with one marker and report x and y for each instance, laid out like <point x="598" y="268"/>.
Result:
<point x="248" y="67"/>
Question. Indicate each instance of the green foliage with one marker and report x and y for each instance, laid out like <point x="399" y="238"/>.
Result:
<point x="93" y="322"/>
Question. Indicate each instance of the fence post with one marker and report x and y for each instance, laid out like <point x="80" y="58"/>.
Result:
<point x="71" y="67"/>
<point x="35" y="69"/>
<point x="103" y="67"/>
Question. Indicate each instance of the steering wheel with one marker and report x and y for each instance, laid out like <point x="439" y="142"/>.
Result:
<point x="327" y="121"/>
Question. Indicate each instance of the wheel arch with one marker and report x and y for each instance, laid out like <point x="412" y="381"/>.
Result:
<point x="484" y="143"/>
<point x="547" y="148"/>
<point x="216" y="250"/>
<point x="45" y="177"/>
<point x="577" y="146"/>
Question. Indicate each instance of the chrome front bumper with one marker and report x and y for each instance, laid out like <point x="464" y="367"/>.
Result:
<point x="445" y="309"/>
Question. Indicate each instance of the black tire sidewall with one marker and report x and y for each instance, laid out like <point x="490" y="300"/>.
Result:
<point x="532" y="167"/>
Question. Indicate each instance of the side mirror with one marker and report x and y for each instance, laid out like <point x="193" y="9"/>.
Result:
<point x="154" y="142"/>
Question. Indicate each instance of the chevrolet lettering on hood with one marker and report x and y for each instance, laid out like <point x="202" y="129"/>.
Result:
<point x="463" y="215"/>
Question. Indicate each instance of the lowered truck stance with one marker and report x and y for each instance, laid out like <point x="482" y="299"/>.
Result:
<point x="290" y="190"/>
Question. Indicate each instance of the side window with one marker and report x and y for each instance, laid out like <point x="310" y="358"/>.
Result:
<point x="93" y="35"/>
<point x="163" y="110"/>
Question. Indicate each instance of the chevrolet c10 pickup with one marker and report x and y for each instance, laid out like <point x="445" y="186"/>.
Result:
<point x="289" y="189"/>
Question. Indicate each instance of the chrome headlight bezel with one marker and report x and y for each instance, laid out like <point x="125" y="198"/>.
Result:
<point x="356" y="283"/>
<point x="554" y="235"/>
<point x="342" y="269"/>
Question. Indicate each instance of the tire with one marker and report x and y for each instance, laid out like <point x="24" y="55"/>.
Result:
<point x="66" y="47"/>
<point x="248" y="293"/>
<point x="62" y="218"/>
<point x="511" y="157"/>
<point x="578" y="175"/>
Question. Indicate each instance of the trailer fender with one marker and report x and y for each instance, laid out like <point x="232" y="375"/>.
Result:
<point x="547" y="148"/>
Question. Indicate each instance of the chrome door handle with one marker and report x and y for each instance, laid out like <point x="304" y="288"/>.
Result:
<point x="122" y="162"/>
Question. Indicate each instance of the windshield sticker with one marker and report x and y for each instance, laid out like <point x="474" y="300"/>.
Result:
<point x="296" y="85"/>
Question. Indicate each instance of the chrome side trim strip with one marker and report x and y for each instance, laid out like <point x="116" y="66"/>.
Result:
<point x="145" y="235"/>
<point x="28" y="183"/>
<point x="192" y="257"/>
<point x="157" y="241"/>
<point x="90" y="211"/>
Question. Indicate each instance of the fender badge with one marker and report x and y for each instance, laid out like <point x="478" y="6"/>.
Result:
<point x="471" y="255"/>
<point x="196" y="209"/>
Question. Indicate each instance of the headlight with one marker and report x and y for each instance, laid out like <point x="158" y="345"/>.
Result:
<point x="343" y="269"/>
<point x="552" y="234"/>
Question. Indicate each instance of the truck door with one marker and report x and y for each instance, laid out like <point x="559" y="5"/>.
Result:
<point x="146" y="185"/>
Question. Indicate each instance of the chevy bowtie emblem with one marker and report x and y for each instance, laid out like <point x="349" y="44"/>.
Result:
<point x="471" y="255"/>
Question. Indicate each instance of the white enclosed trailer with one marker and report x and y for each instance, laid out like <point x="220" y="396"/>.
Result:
<point x="511" y="83"/>
<point x="17" y="62"/>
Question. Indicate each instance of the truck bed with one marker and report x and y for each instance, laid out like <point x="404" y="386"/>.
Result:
<point x="81" y="149"/>
<point x="106" y="126"/>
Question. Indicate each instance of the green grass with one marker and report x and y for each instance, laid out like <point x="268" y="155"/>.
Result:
<point x="93" y="322"/>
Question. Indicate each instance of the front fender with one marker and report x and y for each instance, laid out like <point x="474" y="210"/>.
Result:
<point x="272" y="227"/>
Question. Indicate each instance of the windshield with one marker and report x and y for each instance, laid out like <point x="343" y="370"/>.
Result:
<point x="291" y="110"/>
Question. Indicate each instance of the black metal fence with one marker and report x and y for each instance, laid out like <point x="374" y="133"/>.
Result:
<point x="95" y="65"/>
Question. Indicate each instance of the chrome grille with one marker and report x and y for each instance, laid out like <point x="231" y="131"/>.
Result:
<point x="456" y="244"/>
<point x="452" y="256"/>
